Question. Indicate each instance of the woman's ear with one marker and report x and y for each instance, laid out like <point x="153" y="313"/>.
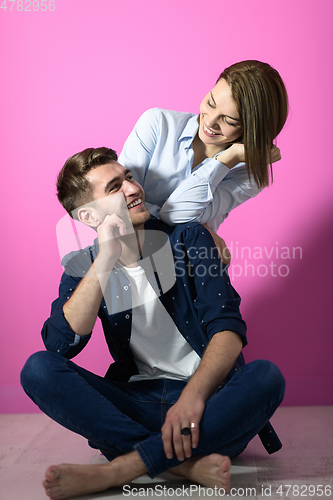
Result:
<point x="89" y="216"/>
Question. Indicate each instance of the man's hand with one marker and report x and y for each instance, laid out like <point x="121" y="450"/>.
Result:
<point x="109" y="232"/>
<point x="188" y="410"/>
<point x="114" y="222"/>
<point x="217" y="361"/>
<point x="221" y="246"/>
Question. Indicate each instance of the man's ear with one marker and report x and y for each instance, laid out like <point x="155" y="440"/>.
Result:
<point x="89" y="216"/>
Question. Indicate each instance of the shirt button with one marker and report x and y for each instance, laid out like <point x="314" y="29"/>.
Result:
<point x="125" y="287"/>
<point x="127" y="316"/>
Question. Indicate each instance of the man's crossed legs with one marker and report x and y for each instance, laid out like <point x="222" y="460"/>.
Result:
<point x="124" y="421"/>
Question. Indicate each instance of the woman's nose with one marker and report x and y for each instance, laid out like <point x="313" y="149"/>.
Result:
<point x="211" y="120"/>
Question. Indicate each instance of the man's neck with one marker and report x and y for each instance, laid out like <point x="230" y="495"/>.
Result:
<point x="132" y="247"/>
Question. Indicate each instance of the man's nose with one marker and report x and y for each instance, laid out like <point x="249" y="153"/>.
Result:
<point x="129" y="188"/>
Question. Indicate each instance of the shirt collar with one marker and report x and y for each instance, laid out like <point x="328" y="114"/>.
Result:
<point x="190" y="128"/>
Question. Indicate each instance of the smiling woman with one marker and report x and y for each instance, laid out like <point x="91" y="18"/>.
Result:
<point x="198" y="168"/>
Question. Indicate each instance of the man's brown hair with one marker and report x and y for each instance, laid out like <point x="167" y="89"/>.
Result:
<point x="73" y="189"/>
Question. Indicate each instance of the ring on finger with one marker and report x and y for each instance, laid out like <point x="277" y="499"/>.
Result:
<point x="185" y="431"/>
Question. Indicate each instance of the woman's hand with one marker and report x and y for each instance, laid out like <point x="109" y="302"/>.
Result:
<point x="233" y="155"/>
<point x="236" y="154"/>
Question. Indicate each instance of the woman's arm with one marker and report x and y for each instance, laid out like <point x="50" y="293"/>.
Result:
<point x="213" y="190"/>
<point x="203" y="199"/>
<point x="157" y="152"/>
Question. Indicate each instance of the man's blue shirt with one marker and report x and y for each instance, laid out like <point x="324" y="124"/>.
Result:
<point x="198" y="296"/>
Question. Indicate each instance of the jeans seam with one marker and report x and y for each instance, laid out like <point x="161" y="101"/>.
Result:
<point x="151" y="471"/>
<point x="163" y="408"/>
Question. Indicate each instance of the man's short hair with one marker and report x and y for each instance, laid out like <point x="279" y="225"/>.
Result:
<point x="73" y="189"/>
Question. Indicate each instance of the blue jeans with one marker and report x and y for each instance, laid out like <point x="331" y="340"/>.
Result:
<point x="117" y="417"/>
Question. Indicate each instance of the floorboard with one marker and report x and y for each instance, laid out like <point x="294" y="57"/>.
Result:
<point x="30" y="443"/>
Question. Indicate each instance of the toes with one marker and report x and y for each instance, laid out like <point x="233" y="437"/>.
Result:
<point x="226" y="464"/>
<point x="51" y="473"/>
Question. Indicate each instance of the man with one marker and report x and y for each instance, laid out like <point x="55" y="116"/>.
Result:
<point x="178" y="396"/>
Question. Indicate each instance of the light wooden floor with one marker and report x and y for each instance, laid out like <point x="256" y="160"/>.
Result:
<point x="29" y="443"/>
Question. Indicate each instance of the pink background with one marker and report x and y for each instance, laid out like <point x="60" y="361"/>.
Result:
<point x="81" y="76"/>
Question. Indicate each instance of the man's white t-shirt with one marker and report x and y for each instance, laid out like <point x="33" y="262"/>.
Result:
<point x="158" y="347"/>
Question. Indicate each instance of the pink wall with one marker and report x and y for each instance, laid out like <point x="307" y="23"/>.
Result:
<point x="81" y="75"/>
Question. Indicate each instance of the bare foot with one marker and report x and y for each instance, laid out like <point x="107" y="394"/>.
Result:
<point x="70" y="480"/>
<point x="211" y="470"/>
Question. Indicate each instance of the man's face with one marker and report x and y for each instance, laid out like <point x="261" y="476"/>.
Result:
<point x="118" y="192"/>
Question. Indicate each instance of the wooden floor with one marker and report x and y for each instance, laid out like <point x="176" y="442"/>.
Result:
<point x="29" y="443"/>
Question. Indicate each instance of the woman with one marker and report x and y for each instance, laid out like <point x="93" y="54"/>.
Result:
<point x="198" y="168"/>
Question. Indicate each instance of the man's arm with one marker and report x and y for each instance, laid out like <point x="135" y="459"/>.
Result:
<point x="217" y="361"/>
<point x="81" y="309"/>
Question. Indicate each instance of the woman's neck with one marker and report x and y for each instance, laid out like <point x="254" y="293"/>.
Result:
<point x="203" y="151"/>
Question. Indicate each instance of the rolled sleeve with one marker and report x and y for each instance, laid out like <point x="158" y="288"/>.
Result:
<point x="216" y="302"/>
<point x="56" y="333"/>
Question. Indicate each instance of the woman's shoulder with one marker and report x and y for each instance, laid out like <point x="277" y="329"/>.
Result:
<point x="165" y="116"/>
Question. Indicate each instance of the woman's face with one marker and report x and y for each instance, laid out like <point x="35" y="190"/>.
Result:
<point x="219" y="122"/>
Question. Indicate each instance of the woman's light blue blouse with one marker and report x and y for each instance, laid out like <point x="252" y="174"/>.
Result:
<point x="159" y="153"/>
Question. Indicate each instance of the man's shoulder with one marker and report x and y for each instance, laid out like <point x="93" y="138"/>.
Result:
<point x="186" y="232"/>
<point x="78" y="262"/>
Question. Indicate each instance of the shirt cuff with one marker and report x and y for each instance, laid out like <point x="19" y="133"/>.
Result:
<point x="211" y="171"/>
<point x="76" y="341"/>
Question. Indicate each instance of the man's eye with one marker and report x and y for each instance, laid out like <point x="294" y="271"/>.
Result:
<point x="129" y="178"/>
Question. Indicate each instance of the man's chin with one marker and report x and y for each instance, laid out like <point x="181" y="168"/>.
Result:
<point x="140" y="219"/>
